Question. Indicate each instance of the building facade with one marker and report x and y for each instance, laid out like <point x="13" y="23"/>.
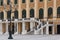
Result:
<point x="30" y="15"/>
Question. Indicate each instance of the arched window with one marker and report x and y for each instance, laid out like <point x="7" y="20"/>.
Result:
<point x="16" y="14"/>
<point x="31" y="12"/>
<point x="50" y="12"/>
<point x="15" y="1"/>
<point x="58" y="12"/>
<point x="41" y="0"/>
<point x="8" y="15"/>
<point x="23" y="1"/>
<point x="1" y="2"/>
<point x="24" y="13"/>
<point x="8" y="1"/>
<point x="1" y="15"/>
<point x="31" y="0"/>
<point x="41" y="12"/>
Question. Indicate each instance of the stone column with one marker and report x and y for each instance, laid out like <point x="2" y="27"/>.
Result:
<point x="6" y="28"/>
<point x="5" y="2"/>
<point x="1" y="27"/>
<point x="54" y="10"/>
<point x="47" y="28"/>
<point x="5" y="13"/>
<point x="12" y="1"/>
<point x="16" y="27"/>
<point x="53" y="32"/>
<point x="27" y="9"/>
<point x="36" y="31"/>
<point x="31" y="26"/>
<point x="19" y="9"/>
<point x="36" y="9"/>
<point x="24" y="31"/>
<point x="42" y="31"/>
<point x="45" y="9"/>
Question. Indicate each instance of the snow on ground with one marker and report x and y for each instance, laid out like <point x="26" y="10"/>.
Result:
<point x="31" y="37"/>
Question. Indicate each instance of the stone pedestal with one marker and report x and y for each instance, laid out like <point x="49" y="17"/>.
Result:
<point x="16" y="25"/>
<point x="1" y="27"/>
<point x="31" y="26"/>
<point x="6" y="28"/>
<point x="42" y="31"/>
<point x="23" y="28"/>
<point x="36" y="31"/>
<point x="47" y="28"/>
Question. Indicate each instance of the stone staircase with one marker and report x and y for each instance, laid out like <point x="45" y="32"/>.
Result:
<point x="39" y="28"/>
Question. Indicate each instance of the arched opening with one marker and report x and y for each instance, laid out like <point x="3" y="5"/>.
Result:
<point x="16" y="14"/>
<point x="41" y="12"/>
<point x="23" y="1"/>
<point x="31" y="0"/>
<point x="1" y="2"/>
<point x="8" y="1"/>
<point x="58" y="12"/>
<point x="15" y="1"/>
<point x="58" y="29"/>
<point x="24" y="14"/>
<point x="8" y="15"/>
<point x="50" y="12"/>
<point x="1" y="15"/>
<point x="31" y="13"/>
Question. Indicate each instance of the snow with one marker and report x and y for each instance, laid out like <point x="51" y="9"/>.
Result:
<point x="31" y="37"/>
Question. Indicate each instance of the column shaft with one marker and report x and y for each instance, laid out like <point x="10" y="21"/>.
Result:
<point x="36" y="9"/>
<point x="53" y="30"/>
<point x="6" y="28"/>
<point x="27" y="9"/>
<point x="5" y="2"/>
<point x="54" y="10"/>
<point x="5" y="15"/>
<point x="31" y="26"/>
<point x="1" y="28"/>
<point x="45" y="9"/>
<point x="23" y="28"/>
<point x="42" y="31"/>
<point x="16" y="28"/>
<point x="19" y="9"/>
<point x="47" y="28"/>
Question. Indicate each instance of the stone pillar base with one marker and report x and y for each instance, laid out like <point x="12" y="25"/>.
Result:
<point x="6" y="33"/>
<point x="31" y="29"/>
<point x="36" y="32"/>
<point x="1" y="33"/>
<point x="41" y="31"/>
<point x="15" y="33"/>
<point x="24" y="32"/>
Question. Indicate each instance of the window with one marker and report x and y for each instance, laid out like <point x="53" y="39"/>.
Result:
<point x="58" y="12"/>
<point x="24" y="13"/>
<point x="8" y="1"/>
<point x="50" y="13"/>
<point x="23" y="1"/>
<point x="31" y="12"/>
<point x="41" y="0"/>
<point x="8" y="15"/>
<point x="31" y="0"/>
<point x="41" y="13"/>
<point x="16" y="14"/>
<point x="15" y="2"/>
<point x="1" y="15"/>
<point x="49" y="0"/>
<point x="1" y="2"/>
